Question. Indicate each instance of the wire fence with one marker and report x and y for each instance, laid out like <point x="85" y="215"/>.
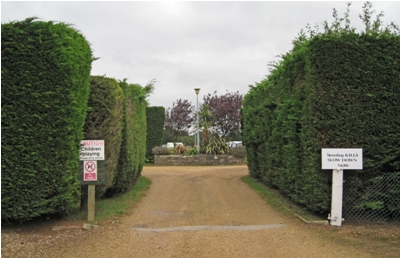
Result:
<point x="375" y="199"/>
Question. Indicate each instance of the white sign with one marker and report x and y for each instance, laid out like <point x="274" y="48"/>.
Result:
<point x="90" y="170"/>
<point x="342" y="159"/>
<point x="92" y="150"/>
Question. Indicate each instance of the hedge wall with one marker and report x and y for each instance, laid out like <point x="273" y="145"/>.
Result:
<point x="45" y="87"/>
<point x="155" y="117"/>
<point x="332" y="91"/>
<point x="356" y="104"/>
<point x="133" y="146"/>
<point x="105" y="122"/>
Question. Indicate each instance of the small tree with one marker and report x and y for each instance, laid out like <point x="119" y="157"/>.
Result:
<point x="178" y="119"/>
<point x="225" y="110"/>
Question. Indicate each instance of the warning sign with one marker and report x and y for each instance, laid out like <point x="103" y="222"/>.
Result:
<point x="92" y="150"/>
<point x="342" y="159"/>
<point x="90" y="170"/>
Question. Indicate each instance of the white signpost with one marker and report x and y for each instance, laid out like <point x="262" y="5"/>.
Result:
<point x="339" y="160"/>
<point x="91" y="151"/>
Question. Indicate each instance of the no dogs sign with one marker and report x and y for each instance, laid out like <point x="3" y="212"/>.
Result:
<point x="90" y="170"/>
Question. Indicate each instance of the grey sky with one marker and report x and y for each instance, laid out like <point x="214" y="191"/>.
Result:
<point x="215" y="46"/>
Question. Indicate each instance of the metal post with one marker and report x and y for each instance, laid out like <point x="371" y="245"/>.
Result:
<point x="197" y="90"/>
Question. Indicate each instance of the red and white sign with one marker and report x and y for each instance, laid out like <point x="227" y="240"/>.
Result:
<point x="90" y="170"/>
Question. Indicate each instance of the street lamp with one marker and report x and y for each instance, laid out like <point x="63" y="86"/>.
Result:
<point x="197" y="90"/>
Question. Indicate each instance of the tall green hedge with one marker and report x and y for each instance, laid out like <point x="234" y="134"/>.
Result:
<point x="355" y="104"/>
<point x="133" y="146"/>
<point x="104" y="121"/>
<point x="335" y="90"/>
<point x="45" y="68"/>
<point x="155" y="117"/>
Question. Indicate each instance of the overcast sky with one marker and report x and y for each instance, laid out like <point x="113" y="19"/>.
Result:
<point x="216" y="46"/>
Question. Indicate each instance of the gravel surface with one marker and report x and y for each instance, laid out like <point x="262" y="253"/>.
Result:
<point x="189" y="212"/>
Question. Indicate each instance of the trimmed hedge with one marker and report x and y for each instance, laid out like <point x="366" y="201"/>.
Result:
<point x="356" y="105"/>
<point x="336" y="90"/>
<point x="155" y="117"/>
<point x="105" y="122"/>
<point x="133" y="145"/>
<point x="45" y="87"/>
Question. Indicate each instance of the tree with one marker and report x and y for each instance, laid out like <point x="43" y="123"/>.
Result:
<point x="205" y="121"/>
<point x="179" y="118"/>
<point x="225" y="110"/>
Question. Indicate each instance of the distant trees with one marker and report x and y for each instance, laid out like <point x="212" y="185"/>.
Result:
<point x="179" y="118"/>
<point x="225" y="111"/>
<point x="218" y="115"/>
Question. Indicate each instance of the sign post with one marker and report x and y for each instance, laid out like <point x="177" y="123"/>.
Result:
<point x="337" y="197"/>
<point x="338" y="160"/>
<point x="91" y="151"/>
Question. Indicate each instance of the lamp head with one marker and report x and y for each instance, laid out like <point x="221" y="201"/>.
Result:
<point x="197" y="90"/>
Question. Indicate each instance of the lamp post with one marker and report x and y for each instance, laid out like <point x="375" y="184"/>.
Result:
<point x="197" y="90"/>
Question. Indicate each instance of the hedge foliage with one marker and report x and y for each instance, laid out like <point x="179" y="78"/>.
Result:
<point x="45" y="86"/>
<point x="155" y="117"/>
<point x="133" y="146"/>
<point x="338" y="89"/>
<point x="104" y="121"/>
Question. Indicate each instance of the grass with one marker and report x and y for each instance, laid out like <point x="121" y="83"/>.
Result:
<point x="107" y="208"/>
<point x="279" y="202"/>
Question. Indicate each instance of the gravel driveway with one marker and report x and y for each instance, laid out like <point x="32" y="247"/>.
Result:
<point x="188" y="212"/>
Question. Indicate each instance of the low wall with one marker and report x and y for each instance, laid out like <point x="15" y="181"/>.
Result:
<point x="197" y="160"/>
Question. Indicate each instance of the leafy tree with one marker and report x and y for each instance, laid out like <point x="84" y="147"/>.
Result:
<point x="225" y="110"/>
<point x="179" y="118"/>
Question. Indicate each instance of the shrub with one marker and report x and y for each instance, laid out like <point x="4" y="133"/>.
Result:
<point x="45" y="73"/>
<point x="160" y="151"/>
<point x="155" y="117"/>
<point x="216" y="146"/>
<point x="105" y="122"/>
<point x="191" y="151"/>
<point x="133" y="146"/>
<point x="180" y="149"/>
<point x="291" y="115"/>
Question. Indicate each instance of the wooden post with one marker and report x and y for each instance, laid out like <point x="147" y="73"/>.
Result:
<point x="91" y="202"/>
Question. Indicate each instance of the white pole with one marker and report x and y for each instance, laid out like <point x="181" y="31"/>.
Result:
<point x="197" y="107"/>
<point x="337" y="197"/>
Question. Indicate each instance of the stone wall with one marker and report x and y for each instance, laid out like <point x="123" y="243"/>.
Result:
<point x="197" y="160"/>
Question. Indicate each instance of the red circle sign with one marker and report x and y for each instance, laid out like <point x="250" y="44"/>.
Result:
<point x="90" y="166"/>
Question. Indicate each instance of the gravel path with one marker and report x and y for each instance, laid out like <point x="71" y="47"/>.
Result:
<point x="188" y="212"/>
